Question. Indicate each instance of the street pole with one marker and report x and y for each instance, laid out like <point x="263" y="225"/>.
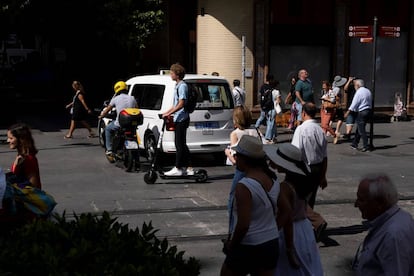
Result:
<point x="374" y="68"/>
<point x="243" y="61"/>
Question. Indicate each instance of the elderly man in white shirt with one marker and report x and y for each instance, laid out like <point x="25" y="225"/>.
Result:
<point x="362" y="105"/>
<point x="310" y="139"/>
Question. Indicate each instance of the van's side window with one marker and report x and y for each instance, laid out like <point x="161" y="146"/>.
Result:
<point x="148" y="96"/>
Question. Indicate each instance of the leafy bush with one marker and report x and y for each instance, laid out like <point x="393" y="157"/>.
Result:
<point x="90" y="245"/>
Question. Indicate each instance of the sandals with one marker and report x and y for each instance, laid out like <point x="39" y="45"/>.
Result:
<point x="91" y="135"/>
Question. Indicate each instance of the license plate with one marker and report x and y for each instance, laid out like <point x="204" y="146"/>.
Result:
<point x="206" y="125"/>
<point x="131" y="144"/>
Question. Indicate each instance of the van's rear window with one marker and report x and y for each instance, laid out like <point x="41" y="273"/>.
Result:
<point x="211" y="94"/>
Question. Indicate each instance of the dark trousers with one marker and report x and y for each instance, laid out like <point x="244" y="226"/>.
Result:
<point x="315" y="179"/>
<point x="182" y="157"/>
<point x="361" y="121"/>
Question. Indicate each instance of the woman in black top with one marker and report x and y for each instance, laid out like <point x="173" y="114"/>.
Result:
<point x="79" y="110"/>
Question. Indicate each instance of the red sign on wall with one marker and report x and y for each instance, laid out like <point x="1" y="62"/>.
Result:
<point x="360" y="31"/>
<point x="389" y="31"/>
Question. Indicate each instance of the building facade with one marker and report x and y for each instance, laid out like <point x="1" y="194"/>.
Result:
<point x="284" y="36"/>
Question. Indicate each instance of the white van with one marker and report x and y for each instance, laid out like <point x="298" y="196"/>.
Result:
<point x="210" y="123"/>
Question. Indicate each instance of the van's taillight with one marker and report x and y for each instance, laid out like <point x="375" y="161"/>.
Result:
<point x="169" y="124"/>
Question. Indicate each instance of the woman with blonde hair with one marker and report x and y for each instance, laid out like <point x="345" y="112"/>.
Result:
<point x="79" y="110"/>
<point x="242" y="119"/>
<point x="259" y="210"/>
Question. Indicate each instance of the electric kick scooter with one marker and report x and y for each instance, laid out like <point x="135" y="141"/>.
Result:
<point x="200" y="175"/>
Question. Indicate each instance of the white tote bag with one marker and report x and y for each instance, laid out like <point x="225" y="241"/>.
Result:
<point x="278" y="108"/>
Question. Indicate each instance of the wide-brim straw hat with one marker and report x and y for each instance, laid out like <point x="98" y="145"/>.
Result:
<point x="249" y="146"/>
<point x="338" y="81"/>
<point x="287" y="156"/>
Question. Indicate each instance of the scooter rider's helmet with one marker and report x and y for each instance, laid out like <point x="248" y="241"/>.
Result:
<point x="120" y="86"/>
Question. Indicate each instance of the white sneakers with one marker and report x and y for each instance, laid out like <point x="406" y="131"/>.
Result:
<point x="190" y="171"/>
<point x="179" y="172"/>
<point x="174" y="172"/>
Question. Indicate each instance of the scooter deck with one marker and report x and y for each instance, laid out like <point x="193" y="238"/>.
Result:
<point x="199" y="175"/>
<point x="194" y="176"/>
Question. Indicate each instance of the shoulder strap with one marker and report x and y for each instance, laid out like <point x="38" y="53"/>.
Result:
<point x="240" y="94"/>
<point x="259" y="135"/>
<point x="238" y="91"/>
<point x="76" y="95"/>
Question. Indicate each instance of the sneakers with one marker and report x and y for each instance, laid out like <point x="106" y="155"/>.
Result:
<point x="179" y="172"/>
<point x="174" y="172"/>
<point x="110" y="156"/>
<point x="354" y="147"/>
<point x="190" y="171"/>
<point x="366" y="149"/>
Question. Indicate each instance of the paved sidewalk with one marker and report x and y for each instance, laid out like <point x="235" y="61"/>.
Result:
<point x="111" y="189"/>
<point x="393" y="154"/>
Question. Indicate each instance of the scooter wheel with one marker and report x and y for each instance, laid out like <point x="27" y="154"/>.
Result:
<point x="150" y="177"/>
<point x="201" y="175"/>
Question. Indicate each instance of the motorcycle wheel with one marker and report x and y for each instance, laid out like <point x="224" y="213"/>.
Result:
<point x="130" y="159"/>
<point x="201" y="175"/>
<point x="101" y="132"/>
<point x="150" y="177"/>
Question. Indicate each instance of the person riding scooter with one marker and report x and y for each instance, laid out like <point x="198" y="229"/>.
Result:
<point x="120" y="101"/>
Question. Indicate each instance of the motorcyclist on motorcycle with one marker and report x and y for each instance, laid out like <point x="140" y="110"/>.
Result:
<point x="120" y="101"/>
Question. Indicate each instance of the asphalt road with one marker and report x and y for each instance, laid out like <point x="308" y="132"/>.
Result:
<point x="193" y="215"/>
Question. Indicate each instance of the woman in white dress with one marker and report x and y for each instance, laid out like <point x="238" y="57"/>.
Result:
<point x="286" y="158"/>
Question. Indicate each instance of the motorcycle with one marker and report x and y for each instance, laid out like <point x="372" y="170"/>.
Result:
<point x="103" y="122"/>
<point x="125" y="142"/>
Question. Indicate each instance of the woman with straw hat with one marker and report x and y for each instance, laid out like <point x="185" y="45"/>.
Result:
<point x="287" y="159"/>
<point x="253" y="243"/>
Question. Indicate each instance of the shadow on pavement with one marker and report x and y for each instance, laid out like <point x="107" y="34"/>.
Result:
<point x="337" y="231"/>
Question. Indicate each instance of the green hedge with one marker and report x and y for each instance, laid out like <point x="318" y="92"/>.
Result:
<point x="90" y="245"/>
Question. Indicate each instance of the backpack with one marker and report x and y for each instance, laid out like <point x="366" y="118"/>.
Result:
<point x="266" y="100"/>
<point x="293" y="95"/>
<point x="191" y="102"/>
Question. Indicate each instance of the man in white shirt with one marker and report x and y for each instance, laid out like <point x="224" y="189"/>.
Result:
<point x="239" y="94"/>
<point x="361" y="105"/>
<point x="311" y="140"/>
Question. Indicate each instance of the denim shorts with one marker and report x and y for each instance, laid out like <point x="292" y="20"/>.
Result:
<point x="246" y="259"/>
<point x="350" y="119"/>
